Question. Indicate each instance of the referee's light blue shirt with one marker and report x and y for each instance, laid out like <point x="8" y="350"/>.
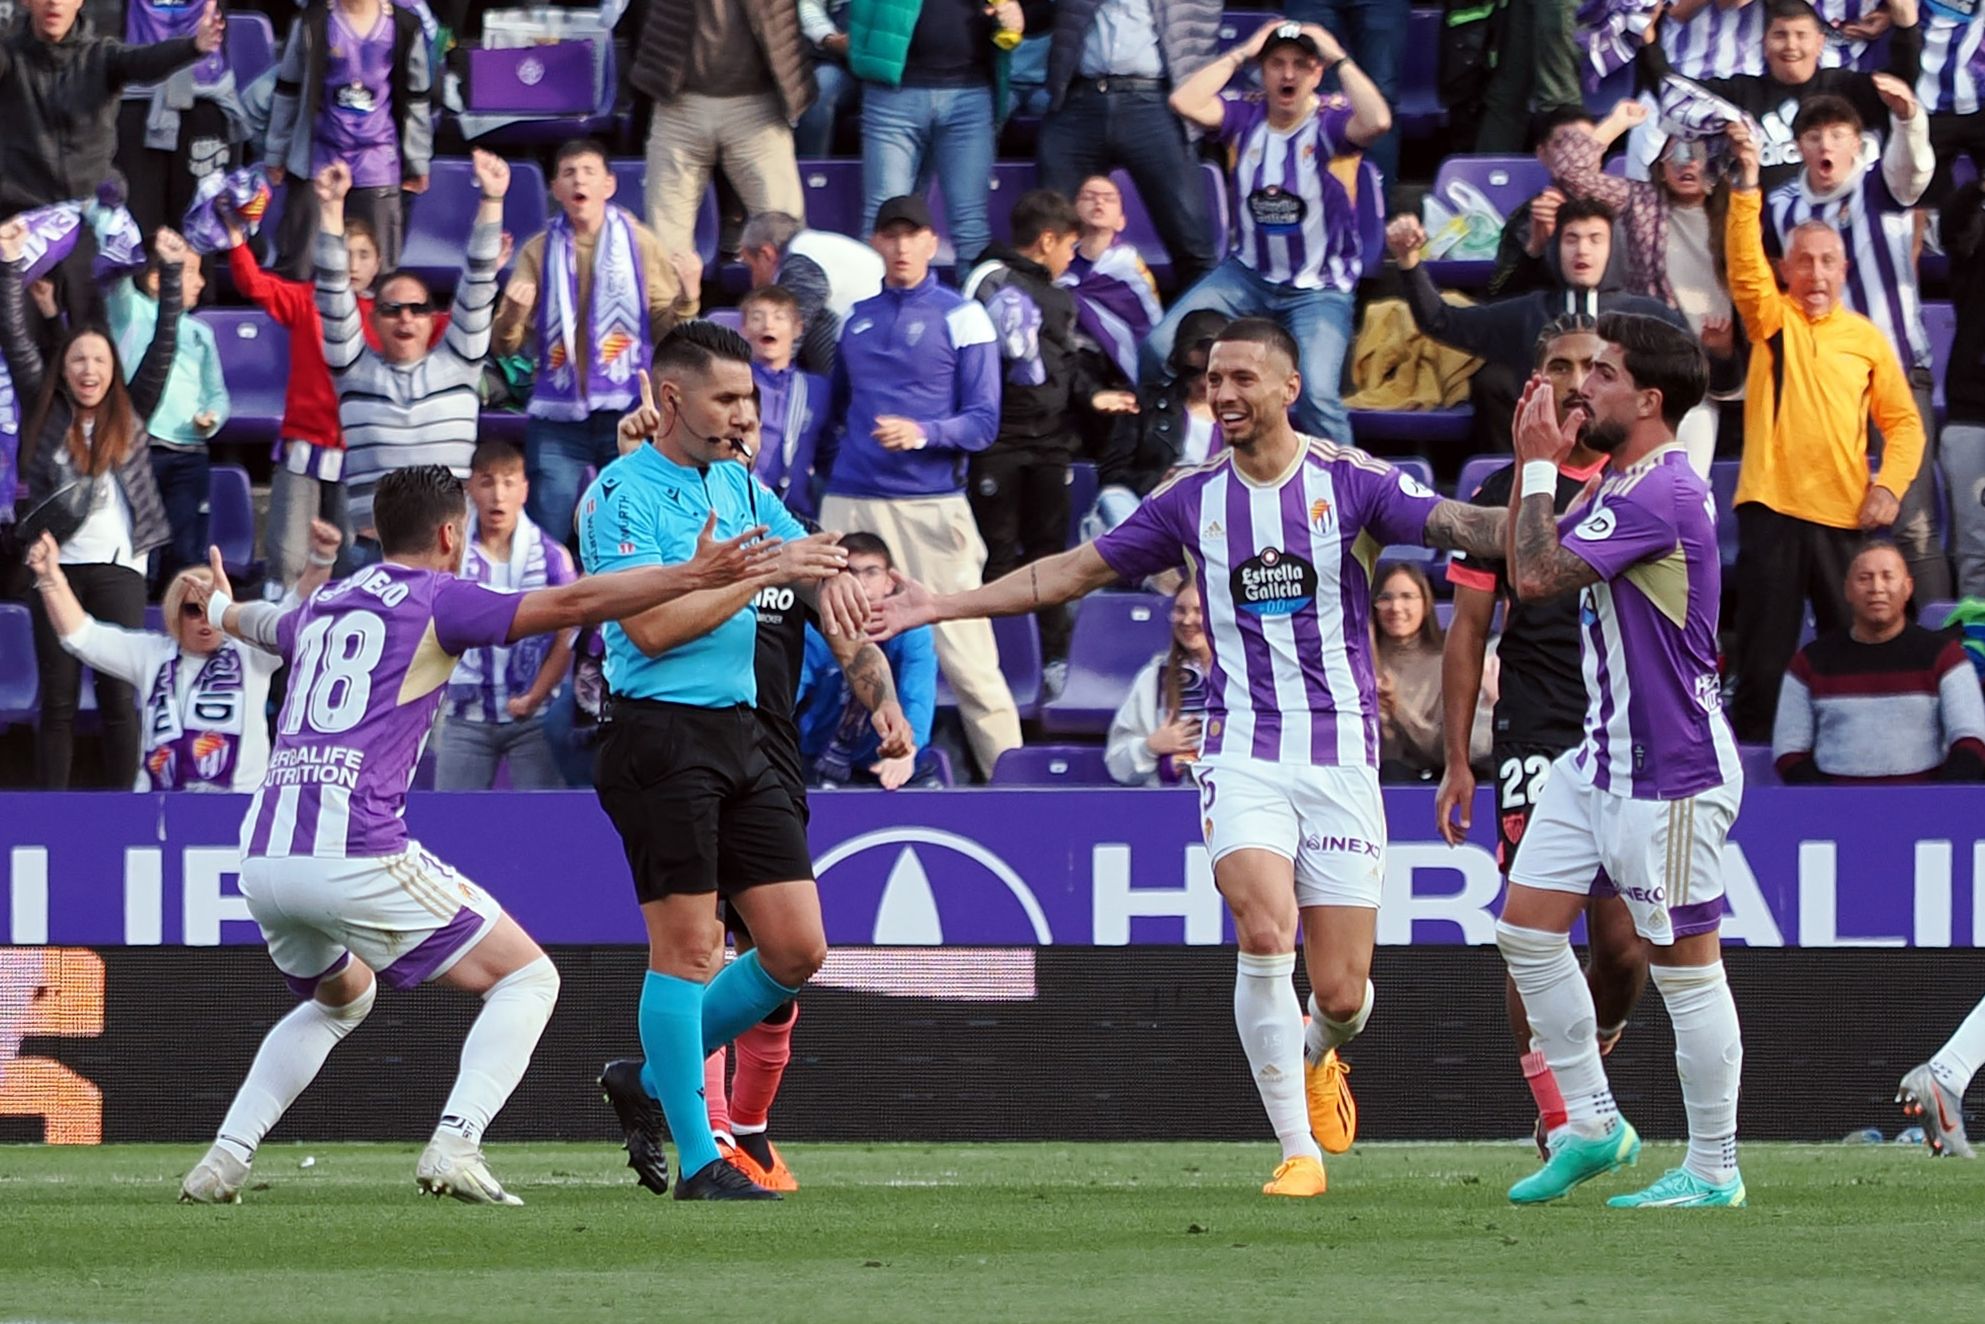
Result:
<point x="645" y="509"/>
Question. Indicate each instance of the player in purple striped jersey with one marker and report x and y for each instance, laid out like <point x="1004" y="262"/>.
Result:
<point x="1280" y="533"/>
<point x="1652" y="789"/>
<point x="339" y="888"/>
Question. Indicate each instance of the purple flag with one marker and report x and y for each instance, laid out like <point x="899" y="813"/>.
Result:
<point x="1116" y="304"/>
<point x="51" y="238"/>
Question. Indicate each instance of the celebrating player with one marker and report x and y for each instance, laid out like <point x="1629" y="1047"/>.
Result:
<point x="1539" y="714"/>
<point x="1280" y="532"/>
<point x="1653" y="788"/>
<point x="331" y="876"/>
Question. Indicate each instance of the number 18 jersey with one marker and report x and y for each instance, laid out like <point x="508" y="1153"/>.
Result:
<point x="370" y="657"/>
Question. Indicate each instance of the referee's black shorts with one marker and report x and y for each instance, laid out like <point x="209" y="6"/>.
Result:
<point x="780" y="743"/>
<point x="698" y="806"/>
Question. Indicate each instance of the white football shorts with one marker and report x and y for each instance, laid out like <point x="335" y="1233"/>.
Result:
<point x="1328" y="821"/>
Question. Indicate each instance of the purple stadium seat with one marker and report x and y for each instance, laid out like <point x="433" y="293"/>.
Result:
<point x="1611" y="90"/>
<point x="1931" y="615"/>
<point x="1409" y="554"/>
<point x="1759" y="768"/>
<point x="708" y="228"/>
<point x="548" y="131"/>
<point x="1475" y="470"/>
<point x="630" y="175"/>
<point x="232" y="526"/>
<point x="255" y="364"/>
<point x="1940" y="320"/>
<point x="492" y="425"/>
<point x="1214" y="181"/>
<point x="1115" y="635"/>
<point x="20" y="678"/>
<point x="1371" y="217"/>
<point x="1138" y="231"/>
<point x="439" y="220"/>
<point x="729" y="317"/>
<point x="1052" y="765"/>
<point x="1083" y="484"/>
<point x="1237" y="25"/>
<point x="1413" y="427"/>
<point x="1723" y="483"/>
<point x="1009" y="180"/>
<point x="1420" y="111"/>
<point x="1019" y="641"/>
<point x="251" y="45"/>
<point x="1507" y="182"/>
<point x="833" y="195"/>
<point x="1419" y="466"/>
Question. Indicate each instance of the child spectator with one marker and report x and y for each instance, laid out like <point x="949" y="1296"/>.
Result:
<point x="1156" y="731"/>
<point x="837" y="735"/>
<point x="793" y="404"/>
<point x="497" y="696"/>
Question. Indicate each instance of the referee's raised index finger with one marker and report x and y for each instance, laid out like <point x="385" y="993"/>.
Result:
<point x="647" y="390"/>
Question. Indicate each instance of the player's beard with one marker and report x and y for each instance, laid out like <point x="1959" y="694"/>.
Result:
<point x="1605" y="436"/>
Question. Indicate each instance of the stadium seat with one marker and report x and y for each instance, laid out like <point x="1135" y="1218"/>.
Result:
<point x="709" y="228"/>
<point x="155" y="618"/>
<point x="1759" y="767"/>
<point x="1420" y="111"/>
<point x="1138" y="231"/>
<point x="232" y="527"/>
<point x="1723" y="483"/>
<point x="1214" y="180"/>
<point x="1507" y="182"/>
<point x="1475" y="470"/>
<point x="1237" y="25"/>
<point x="1940" y="321"/>
<point x="1931" y="615"/>
<point x="1371" y="217"/>
<point x="254" y="354"/>
<point x="630" y="174"/>
<point x="1417" y="465"/>
<point x="251" y="45"/>
<point x="20" y="678"/>
<point x="729" y="317"/>
<point x="494" y="425"/>
<point x="1009" y="180"/>
<point x="1115" y="635"/>
<point x="439" y="220"/>
<point x="1405" y="553"/>
<point x="833" y="195"/>
<point x="1083" y="484"/>
<point x="1052" y="765"/>
<point x="1391" y="428"/>
<point x="1019" y="640"/>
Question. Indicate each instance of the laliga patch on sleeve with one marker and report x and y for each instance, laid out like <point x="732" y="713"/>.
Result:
<point x="1412" y="486"/>
<point x="1598" y="526"/>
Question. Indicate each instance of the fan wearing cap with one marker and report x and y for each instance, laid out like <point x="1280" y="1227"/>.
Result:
<point x="1294" y="184"/>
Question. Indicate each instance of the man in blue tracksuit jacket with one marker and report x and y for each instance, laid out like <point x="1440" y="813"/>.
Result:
<point x="916" y="391"/>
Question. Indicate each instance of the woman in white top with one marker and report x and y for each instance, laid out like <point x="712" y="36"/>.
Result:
<point x="203" y="697"/>
<point x="1155" y="734"/>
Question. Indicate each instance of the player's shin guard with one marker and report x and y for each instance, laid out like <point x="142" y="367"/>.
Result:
<point x="291" y="1055"/>
<point x="1958" y="1061"/>
<point x="671" y="1022"/>
<point x="739" y="997"/>
<point x="1561" y="1020"/>
<point x="1323" y="1034"/>
<point x="1709" y="1058"/>
<point x="1270" y="1021"/>
<point x="499" y="1047"/>
<point x="762" y="1054"/>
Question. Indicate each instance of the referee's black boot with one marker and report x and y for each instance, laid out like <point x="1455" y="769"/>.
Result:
<point x="720" y="1181"/>
<point x="640" y="1119"/>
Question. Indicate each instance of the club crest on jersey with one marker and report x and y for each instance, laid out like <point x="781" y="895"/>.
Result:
<point x="914" y="333"/>
<point x="1320" y="515"/>
<point x="1513" y="825"/>
<point x="1273" y="583"/>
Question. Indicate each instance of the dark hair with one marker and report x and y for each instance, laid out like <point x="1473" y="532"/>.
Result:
<point x="692" y="346"/>
<point x="1660" y="357"/>
<point x="116" y="428"/>
<point x="357" y="227"/>
<point x="1783" y="11"/>
<point x="1877" y="545"/>
<point x="403" y="273"/>
<point x="1822" y="112"/>
<point x="1547" y="122"/>
<point x="494" y="453"/>
<point x="1040" y="212"/>
<point x="1583" y="209"/>
<point x="1197" y="329"/>
<point x="1430" y="633"/>
<point x="1564" y="324"/>
<point x="867" y="544"/>
<point x="1261" y="331"/>
<point x="410" y="504"/>
<point x="577" y="147"/>
<point x="776" y="295"/>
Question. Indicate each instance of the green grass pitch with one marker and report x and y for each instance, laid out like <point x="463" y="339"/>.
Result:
<point x="976" y="1233"/>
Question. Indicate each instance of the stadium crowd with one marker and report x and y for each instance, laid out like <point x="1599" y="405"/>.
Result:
<point x="969" y="380"/>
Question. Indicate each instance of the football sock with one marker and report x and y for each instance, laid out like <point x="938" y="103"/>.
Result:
<point x="757" y="1146"/>
<point x="498" y="1049"/>
<point x="1322" y="1034"/>
<point x="762" y="1054"/>
<point x="671" y="1021"/>
<point x="1544" y="1089"/>
<point x="1270" y="1021"/>
<point x="1957" y="1061"/>
<point x="738" y="998"/>
<point x="291" y="1055"/>
<point x="1561" y="1021"/>
<point x="1709" y="1058"/>
<point x="715" y="1097"/>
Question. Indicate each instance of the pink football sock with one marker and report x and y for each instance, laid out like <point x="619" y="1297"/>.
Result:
<point x="762" y="1054"/>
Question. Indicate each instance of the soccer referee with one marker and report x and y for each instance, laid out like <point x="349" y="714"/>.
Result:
<point x="680" y="771"/>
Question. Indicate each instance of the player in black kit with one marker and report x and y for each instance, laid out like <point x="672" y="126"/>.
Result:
<point x="1540" y="712"/>
<point x="784" y="612"/>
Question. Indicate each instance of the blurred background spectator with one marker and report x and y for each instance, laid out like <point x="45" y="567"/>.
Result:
<point x="827" y="273"/>
<point x="1155" y="735"/>
<point x="1408" y="657"/>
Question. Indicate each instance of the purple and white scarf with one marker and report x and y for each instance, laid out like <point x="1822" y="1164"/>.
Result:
<point x="1611" y="32"/>
<point x="240" y="195"/>
<point x="10" y="443"/>
<point x="486" y="679"/>
<point x="1116" y="304"/>
<point x="53" y="230"/>
<point x="194" y="745"/>
<point x="617" y="337"/>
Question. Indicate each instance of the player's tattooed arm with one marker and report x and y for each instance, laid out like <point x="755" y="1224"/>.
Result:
<point x="1542" y="568"/>
<point x="1458" y="526"/>
<point x="874" y="687"/>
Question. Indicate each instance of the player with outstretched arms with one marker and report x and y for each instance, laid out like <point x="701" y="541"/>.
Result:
<point x="345" y="898"/>
<point x="1653" y="788"/>
<point x="1280" y="532"/>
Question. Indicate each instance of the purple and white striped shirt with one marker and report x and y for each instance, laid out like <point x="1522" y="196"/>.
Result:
<point x="1947" y="77"/>
<point x="1717" y="42"/>
<point x="1284" y="571"/>
<point x="1880" y="236"/>
<point x="1295" y="194"/>
<point x="1655" y="730"/>
<point x="370" y="658"/>
<point x="1841" y="51"/>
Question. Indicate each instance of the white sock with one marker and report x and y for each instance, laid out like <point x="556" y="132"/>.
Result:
<point x="1322" y="1034"/>
<point x="291" y="1055"/>
<point x="1957" y="1061"/>
<point x="1709" y="1058"/>
<point x="498" y="1048"/>
<point x="1559" y="1005"/>
<point x="1270" y="1021"/>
